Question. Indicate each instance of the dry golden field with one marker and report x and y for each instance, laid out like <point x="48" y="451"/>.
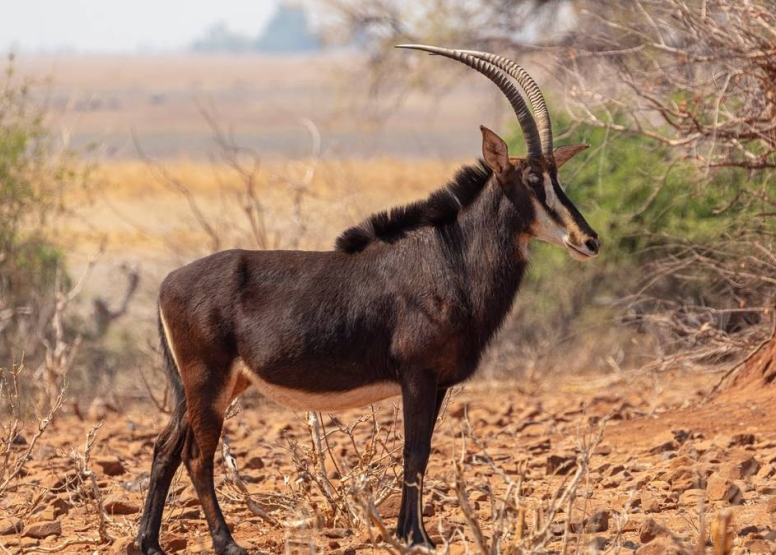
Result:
<point x="105" y="100"/>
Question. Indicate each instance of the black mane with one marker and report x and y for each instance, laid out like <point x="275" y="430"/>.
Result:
<point x="439" y="208"/>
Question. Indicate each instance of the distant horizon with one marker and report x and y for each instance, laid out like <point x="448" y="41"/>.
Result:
<point x="144" y="27"/>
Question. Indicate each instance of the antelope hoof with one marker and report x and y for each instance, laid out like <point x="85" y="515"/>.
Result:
<point x="417" y="540"/>
<point x="151" y="549"/>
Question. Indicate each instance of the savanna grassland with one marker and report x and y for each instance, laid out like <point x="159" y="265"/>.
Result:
<point x="564" y="447"/>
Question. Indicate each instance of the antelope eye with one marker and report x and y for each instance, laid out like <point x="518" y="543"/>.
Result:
<point x="535" y="181"/>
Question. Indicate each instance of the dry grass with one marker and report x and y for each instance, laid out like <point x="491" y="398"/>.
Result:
<point x="137" y="211"/>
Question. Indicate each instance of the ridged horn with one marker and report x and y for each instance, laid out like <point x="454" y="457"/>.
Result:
<point x="492" y="72"/>
<point x="531" y="89"/>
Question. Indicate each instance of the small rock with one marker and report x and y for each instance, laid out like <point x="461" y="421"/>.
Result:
<point x="599" y="522"/>
<point x="749" y="467"/>
<point x="560" y="464"/>
<point x="337" y="532"/>
<point x="175" y="543"/>
<point x="742" y="440"/>
<point x="616" y="469"/>
<point x="40" y="530"/>
<point x="650" y="530"/>
<point x="117" y="505"/>
<point x="771" y="507"/>
<point x="722" y="489"/>
<point x="650" y="503"/>
<point x="254" y="463"/>
<point x="757" y="546"/>
<point x="125" y="546"/>
<point x="192" y="513"/>
<point x="10" y="525"/>
<point x="681" y="435"/>
<point x="664" y="447"/>
<point x="668" y="443"/>
<point x="631" y="525"/>
<point x="375" y="537"/>
<point x="541" y="446"/>
<point x="659" y="547"/>
<point x="61" y="506"/>
<point x="459" y="411"/>
<point x="111" y="466"/>
<point x="747" y="531"/>
<point x="766" y="471"/>
<point x="391" y="506"/>
<point x="189" y="499"/>
<point x="692" y="497"/>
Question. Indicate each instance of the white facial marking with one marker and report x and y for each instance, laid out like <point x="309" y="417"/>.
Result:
<point x="320" y="401"/>
<point x="549" y="192"/>
<point x="545" y="228"/>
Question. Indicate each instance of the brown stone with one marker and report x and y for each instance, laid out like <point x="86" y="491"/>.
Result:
<point x="659" y="547"/>
<point x="650" y="502"/>
<point x="722" y="489"/>
<point x="254" y="463"/>
<point x="666" y="443"/>
<point x="125" y="546"/>
<point x="748" y="466"/>
<point x="755" y="545"/>
<point x="117" y="505"/>
<point x="560" y="464"/>
<point x="650" y="530"/>
<point x="692" y="497"/>
<point x="174" y="543"/>
<point x="10" y="525"/>
<point x="766" y="471"/>
<point x="60" y="506"/>
<point x="111" y="466"/>
<point x="189" y="499"/>
<point x="742" y="440"/>
<point x="44" y="529"/>
<point x="633" y="524"/>
<point x="391" y="506"/>
<point x="771" y="507"/>
<point x="598" y="522"/>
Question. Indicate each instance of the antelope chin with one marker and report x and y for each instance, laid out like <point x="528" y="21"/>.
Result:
<point x="576" y="252"/>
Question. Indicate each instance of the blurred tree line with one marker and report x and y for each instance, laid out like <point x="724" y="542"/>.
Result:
<point x="287" y="31"/>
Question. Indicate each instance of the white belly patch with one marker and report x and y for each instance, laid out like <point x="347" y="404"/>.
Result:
<point x="329" y="401"/>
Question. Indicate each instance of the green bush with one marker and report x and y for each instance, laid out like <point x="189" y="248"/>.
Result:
<point x="35" y="172"/>
<point x="646" y="204"/>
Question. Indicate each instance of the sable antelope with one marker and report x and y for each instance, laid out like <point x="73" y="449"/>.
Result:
<point x="405" y="305"/>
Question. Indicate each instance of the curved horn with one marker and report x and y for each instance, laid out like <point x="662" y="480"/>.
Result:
<point x="530" y="87"/>
<point x="527" y="123"/>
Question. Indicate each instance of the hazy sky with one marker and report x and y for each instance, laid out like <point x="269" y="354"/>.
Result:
<point x="126" y="26"/>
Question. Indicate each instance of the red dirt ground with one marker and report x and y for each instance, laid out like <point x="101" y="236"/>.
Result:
<point x="667" y="460"/>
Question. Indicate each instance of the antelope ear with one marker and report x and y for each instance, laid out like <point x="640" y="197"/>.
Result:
<point x="494" y="150"/>
<point x="563" y="154"/>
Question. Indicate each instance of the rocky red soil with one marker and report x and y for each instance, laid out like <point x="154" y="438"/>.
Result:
<point x="659" y="469"/>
